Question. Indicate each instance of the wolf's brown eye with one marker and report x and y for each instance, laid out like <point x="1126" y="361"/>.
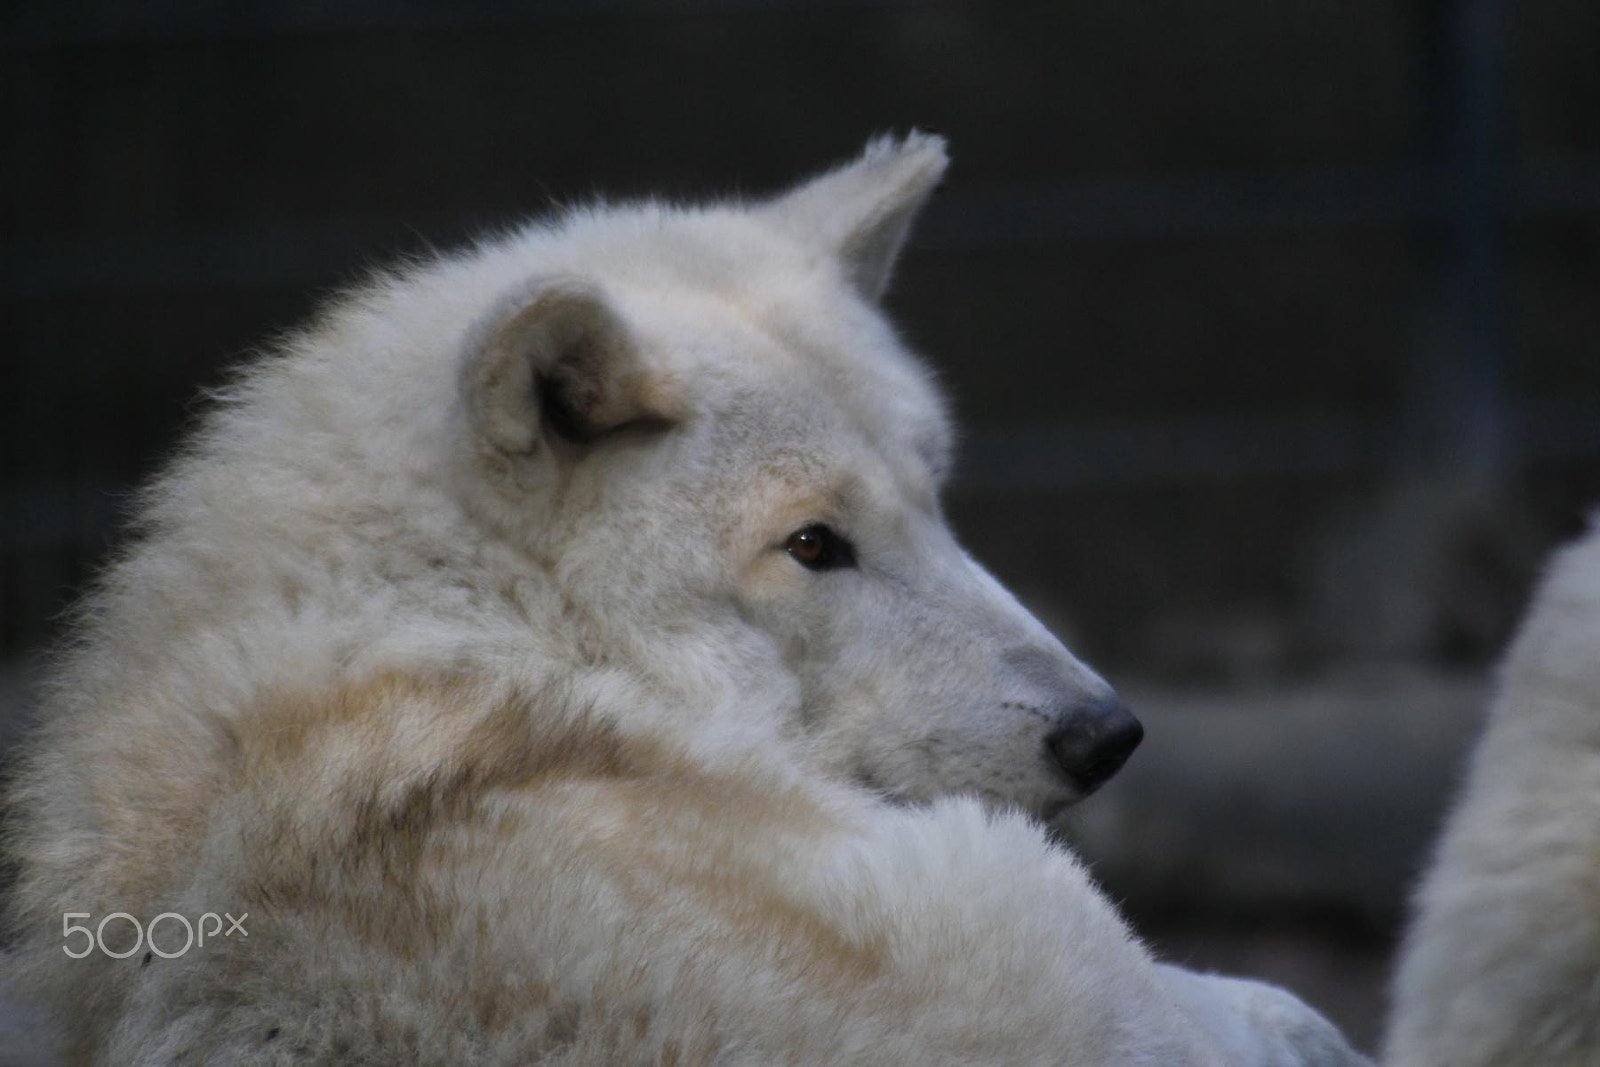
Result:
<point x="818" y="548"/>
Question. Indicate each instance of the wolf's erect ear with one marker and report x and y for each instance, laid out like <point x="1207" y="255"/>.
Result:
<point x="862" y="211"/>
<point x="555" y="358"/>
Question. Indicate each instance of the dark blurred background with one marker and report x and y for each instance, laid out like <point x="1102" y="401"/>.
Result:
<point x="1274" y="327"/>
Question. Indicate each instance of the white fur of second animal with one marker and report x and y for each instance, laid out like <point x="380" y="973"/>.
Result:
<point x="1501" y="967"/>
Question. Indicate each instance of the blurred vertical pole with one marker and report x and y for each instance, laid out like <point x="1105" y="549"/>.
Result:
<point x="1458" y="397"/>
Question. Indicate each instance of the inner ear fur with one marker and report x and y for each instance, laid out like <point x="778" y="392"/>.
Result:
<point x="556" y="359"/>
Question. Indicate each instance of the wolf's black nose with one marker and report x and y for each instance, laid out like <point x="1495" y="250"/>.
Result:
<point x="1093" y="740"/>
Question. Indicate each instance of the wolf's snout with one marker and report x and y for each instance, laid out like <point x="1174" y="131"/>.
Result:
<point x="1093" y="740"/>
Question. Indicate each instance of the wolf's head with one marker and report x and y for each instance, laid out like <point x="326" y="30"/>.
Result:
<point x="702" y="425"/>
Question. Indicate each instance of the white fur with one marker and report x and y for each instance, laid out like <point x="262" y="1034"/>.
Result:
<point x="785" y="880"/>
<point x="1502" y="964"/>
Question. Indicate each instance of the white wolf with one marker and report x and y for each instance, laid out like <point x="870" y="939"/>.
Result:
<point x="1502" y="965"/>
<point x="558" y="655"/>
